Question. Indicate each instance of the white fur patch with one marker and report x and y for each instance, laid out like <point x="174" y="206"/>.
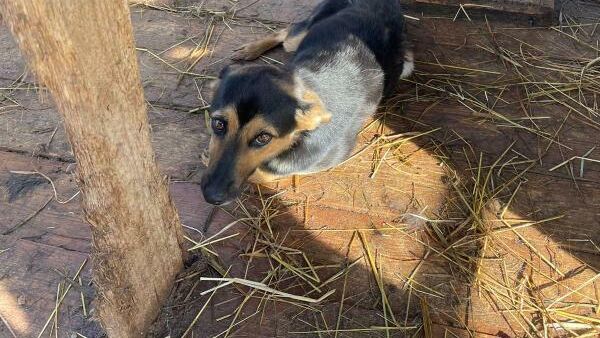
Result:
<point x="409" y="64"/>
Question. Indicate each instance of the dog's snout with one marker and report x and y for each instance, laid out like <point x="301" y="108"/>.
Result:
<point x="217" y="192"/>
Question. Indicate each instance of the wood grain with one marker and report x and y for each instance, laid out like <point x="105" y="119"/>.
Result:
<point x="84" y="53"/>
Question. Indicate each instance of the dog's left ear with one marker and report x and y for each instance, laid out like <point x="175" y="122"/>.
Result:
<point x="312" y="112"/>
<point x="214" y="84"/>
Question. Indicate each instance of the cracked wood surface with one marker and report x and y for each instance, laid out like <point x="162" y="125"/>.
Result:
<point x="179" y="138"/>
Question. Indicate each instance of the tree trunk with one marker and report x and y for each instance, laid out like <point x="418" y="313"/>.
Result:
<point x="83" y="51"/>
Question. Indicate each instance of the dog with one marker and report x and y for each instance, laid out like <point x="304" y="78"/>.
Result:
<point x="269" y="122"/>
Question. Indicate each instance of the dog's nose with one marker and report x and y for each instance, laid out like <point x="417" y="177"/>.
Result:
<point x="214" y="195"/>
<point x="214" y="199"/>
<point x="216" y="192"/>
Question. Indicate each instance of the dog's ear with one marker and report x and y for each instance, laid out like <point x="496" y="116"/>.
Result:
<point x="228" y="69"/>
<point x="214" y="84"/>
<point x="311" y="112"/>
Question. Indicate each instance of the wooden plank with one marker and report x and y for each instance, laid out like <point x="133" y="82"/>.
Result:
<point x="545" y="194"/>
<point x="264" y="10"/>
<point x="321" y="246"/>
<point x="38" y="130"/>
<point x="531" y="7"/>
<point x="31" y="273"/>
<point x="55" y="239"/>
<point x="294" y="11"/>
<point x="13" y="65"/>
<point x="62" y="223"/>
<point x="31" y="129"/>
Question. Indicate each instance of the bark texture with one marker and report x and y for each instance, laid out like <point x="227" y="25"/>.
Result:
<point x="83" y="51"/>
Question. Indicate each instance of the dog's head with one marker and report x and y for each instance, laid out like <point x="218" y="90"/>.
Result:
<point x="257" y="113"/>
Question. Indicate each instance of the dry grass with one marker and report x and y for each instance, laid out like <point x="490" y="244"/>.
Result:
<point x="483" y="247"/>
<point x="8" y="101"/>
<point x="472" y="235"/>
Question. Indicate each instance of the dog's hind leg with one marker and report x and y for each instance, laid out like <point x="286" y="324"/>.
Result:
<point x="253" y="50"/>
<point x="298" y="31"/>
<point x="292" y="36"/>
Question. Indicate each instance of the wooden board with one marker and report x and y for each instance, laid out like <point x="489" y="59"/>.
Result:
<point x="319" y="213"/>
<point x="44" y="241"/>
<point x="531" y="7"/>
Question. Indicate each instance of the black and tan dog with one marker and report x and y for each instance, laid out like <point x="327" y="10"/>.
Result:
<point x="270" y="122"/>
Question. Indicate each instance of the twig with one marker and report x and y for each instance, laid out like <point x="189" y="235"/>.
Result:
<point x="28" y="218"/>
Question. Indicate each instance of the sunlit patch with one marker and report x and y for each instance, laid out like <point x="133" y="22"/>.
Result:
<point x="147" y="2"/>
<point x="187" y="53"/>
<point x="11" y="314"/>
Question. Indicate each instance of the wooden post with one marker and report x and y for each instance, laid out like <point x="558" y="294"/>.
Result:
<point x="83" y="51"/>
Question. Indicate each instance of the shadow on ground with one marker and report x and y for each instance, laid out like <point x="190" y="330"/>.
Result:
<point x="469" y="224"/>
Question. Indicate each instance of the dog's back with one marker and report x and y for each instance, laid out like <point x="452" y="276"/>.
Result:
<point x="350" y="57"/>
<point x="377" y="24"/>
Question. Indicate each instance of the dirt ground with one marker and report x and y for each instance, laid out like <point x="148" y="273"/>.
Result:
<point x="470" y="209"/>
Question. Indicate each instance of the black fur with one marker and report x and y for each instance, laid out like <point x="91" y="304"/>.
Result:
<point x="322" y="11"/>
<point x="379" y="24"/>
<point x="245" y="90"/>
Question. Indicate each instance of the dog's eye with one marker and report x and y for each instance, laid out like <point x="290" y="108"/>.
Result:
<point x="262" y="139"/>
<point x="218" y="126"/>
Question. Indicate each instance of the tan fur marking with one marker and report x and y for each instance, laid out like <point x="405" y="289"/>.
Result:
<point x="230" y="115"/>
<point x="291" y="43"/>
<point x="217" y="145"/>
<point x="261" y="176"/>
<point x="250" y="158"/>
<point x="316" y="115"/>
<point x="254" y="127"/>
<point x="253" y="50"/>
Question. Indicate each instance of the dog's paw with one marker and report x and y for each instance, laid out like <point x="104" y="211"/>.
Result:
<point x="247" y="52"/>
